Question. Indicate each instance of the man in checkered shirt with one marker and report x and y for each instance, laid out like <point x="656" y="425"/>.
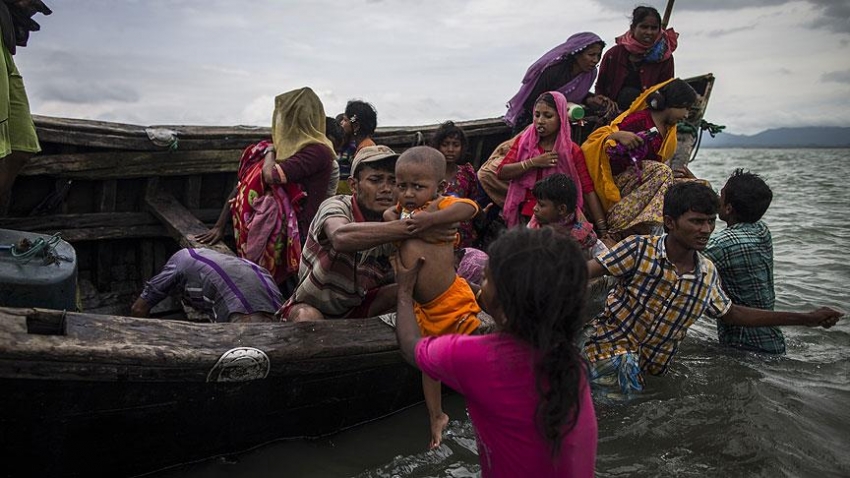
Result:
<point x="663" y="286"/>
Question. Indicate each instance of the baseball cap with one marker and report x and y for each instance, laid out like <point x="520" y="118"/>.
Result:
<point x="370" y="154"/>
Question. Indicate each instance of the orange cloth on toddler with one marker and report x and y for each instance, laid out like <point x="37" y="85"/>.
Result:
<point x="455" y="311"/>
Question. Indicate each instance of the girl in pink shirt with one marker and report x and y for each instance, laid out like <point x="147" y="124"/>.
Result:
<point x="525" y="386"/>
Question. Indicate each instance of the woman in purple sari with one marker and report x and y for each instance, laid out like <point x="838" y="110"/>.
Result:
<point x="569" y="68"/>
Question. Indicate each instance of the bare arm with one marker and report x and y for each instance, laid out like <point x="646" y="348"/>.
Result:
<point x="268" y="169"/>
<point x="515" y="170"/>
<point x="739" y="315"/>
<point x="406" y="328"/>
<point x="597" y="214"/>
<point x="595" y="269"/>
<point x="346" y="236"/>
<point x="217" y="231"/>
<point x="626" y="138"/>
<point x="457" y="212"/>
<point x="140" y="308"/>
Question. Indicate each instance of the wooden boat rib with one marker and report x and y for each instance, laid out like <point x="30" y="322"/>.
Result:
<point x="96" y="392"/>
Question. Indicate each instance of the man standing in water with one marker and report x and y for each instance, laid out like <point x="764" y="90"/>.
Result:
<point x="663" y="286"/>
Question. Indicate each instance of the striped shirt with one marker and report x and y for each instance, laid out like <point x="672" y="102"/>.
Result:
<point x="650" y="309"/>
<point x="743" y="255"/>
<point x="336" y="282"/>
<point x="215" y="283"/>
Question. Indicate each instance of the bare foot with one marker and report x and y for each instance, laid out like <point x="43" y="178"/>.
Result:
<point x="438" y="424"/>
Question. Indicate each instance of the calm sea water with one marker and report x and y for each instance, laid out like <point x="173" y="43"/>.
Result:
<point x="717" y="413"/>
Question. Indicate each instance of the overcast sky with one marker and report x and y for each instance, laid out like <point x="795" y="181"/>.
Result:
<point x="216" y="62"/>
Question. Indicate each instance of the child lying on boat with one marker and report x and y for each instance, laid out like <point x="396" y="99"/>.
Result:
<point x="445" y="303"/>
<point x="227" y="288"/>
<point x="556" y="197"/>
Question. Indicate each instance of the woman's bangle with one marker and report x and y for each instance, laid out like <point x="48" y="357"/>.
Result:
<point x="525" y="165"/>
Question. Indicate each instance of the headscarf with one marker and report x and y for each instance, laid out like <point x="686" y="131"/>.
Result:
<point x="575" y="90"/>
<point x="528" y="142"/>
<point x="596" y="155"/>
<point x="661" y="49"/>
<point x="298" y="121"/>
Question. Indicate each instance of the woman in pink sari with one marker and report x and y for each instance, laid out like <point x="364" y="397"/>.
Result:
<point x="542" y="149"/>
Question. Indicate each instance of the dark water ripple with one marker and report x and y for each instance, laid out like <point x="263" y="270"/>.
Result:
<point x="718" y="412"/>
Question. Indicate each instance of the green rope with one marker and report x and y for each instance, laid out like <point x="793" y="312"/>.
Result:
<point x="37" y="247"/>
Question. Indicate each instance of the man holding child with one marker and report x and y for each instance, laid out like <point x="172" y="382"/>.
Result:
<point x="345" y="270"/>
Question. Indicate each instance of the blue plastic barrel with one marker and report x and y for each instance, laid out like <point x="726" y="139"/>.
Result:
<point x="46" y="279"/>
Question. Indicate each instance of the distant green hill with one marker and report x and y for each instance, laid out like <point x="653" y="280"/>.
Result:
<point x="807" y="137"/>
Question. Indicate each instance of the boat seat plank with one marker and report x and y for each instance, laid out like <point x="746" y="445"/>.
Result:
<point x="178" y="220"/>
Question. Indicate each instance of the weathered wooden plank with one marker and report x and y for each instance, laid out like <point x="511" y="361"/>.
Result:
<point x="96" y="347"/>
<point x="97" y="226"/>
<point x="101" y="134"/>
<point x="133" y="164"/>
<point x="179" y="221"/>
<point x="192" y="192"/>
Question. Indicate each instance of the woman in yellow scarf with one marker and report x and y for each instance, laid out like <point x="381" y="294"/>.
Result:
<point x="628" y="159"/>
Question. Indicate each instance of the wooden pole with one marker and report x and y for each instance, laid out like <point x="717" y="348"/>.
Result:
<point x="667" y="11"/>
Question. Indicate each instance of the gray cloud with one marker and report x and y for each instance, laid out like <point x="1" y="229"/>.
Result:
<point x="836" y="77"/>
<point x="713" y="5"/>
<point x="834" y="14"/>
<point x="89" y="92"/>
<point x="721" y="32"/>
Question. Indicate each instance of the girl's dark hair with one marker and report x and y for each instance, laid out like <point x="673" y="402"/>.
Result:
<point x="364" y="115"/>
<point x="558" y="188"/>
<point x="449" y="130"/>
<point x="640" y="13"/>
<point x="547" y="99"/>
<point x="540" y="278"/>
<point x="678" y="94"/>
<point x="748" y="194"/>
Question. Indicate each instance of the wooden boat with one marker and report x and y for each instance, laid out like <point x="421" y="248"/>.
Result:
<point x="98" y="392"/>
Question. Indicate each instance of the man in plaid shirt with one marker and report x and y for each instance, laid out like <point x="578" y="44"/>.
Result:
<point x="743" y="255"/>
<point x="663" y="286"/>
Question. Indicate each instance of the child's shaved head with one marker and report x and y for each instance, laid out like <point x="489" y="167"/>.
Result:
<point x="425" y="155"/>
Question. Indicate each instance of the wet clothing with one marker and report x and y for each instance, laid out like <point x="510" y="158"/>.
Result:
<point x="215" y="283"/>
<point x="743" y="255"/>
<point x="455" y="311"/>
<point x="649" y="311"/>
<point x="337" y="283"/>
<point x="496" y="374"/>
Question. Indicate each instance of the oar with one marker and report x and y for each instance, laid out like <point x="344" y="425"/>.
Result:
<point x="667" y="11"/>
